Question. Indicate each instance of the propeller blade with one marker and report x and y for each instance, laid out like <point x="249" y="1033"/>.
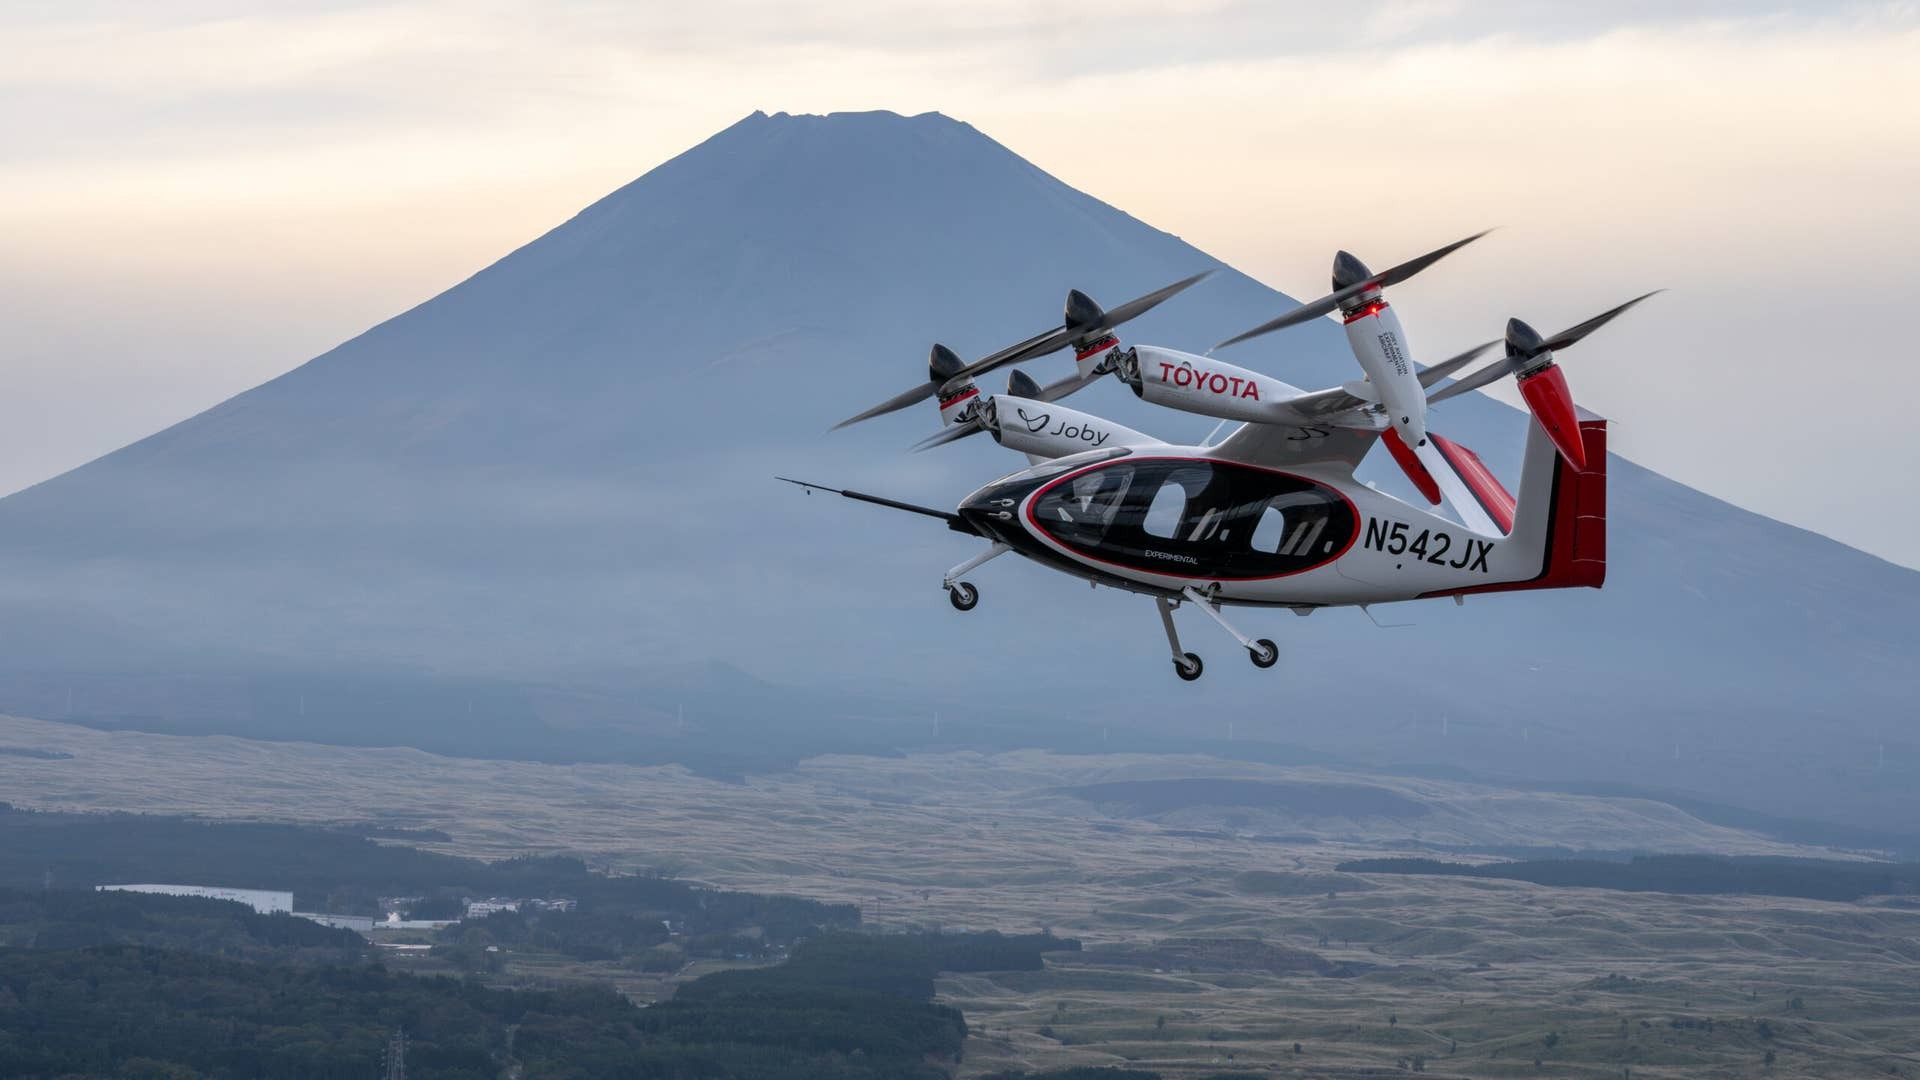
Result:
<point x="1054" y="391"/>
<point x="1393" y="275"/>
<point x="1454" y="363"/>
<point x="892" y="404"/>
<point x="1038" y="345"/>
<point x="1042" y="344"/>
<point x="1135" y="308"/>
<point x="1493" y="372"/>
<point x="1574" y="333"/>
<point x="942" y="438"/>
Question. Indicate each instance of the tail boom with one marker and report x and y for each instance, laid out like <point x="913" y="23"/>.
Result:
<point x="1570" y="528"/>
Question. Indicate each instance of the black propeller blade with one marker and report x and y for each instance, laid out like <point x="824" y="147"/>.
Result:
<point x="1524" y="344"/>
<point x="1453" y="363"/>
<point x="1347" y="263"/>
<point x="1574" y="333"/>
<point x="1083" y="319"/>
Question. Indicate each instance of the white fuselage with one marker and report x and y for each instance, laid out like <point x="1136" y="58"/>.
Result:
<point x="1160" y="519"/>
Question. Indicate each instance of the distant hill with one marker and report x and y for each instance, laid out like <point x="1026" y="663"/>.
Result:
<point x="537" y="510"/>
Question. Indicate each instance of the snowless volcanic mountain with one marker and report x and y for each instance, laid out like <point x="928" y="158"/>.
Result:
<point x="557" y="476"/>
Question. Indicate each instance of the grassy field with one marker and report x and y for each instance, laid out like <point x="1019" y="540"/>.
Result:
<point x="1218" y="936"/>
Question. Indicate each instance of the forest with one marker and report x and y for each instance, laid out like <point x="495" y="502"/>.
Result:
<point x="844" y="1007"/>
<point x="82" y="918"/>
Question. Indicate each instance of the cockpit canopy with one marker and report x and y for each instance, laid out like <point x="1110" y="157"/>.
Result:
<point x="1196" y="518"/>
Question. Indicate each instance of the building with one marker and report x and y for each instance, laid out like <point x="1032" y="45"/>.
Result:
<point x="480" y="909"/>
<point x="264" y="901"/>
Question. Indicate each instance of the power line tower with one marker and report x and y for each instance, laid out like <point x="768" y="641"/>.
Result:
<point x="396" y="1056"/>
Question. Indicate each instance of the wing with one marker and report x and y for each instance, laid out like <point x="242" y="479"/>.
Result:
<point x="1336" y="446"/>
<point x="1335" y="425"/>
<point x="1326" y="404"/>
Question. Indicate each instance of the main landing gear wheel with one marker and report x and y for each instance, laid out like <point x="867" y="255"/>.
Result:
<point x="1264" y="653"/>
<point x="963" y="596"/>
<point x="1188" y="667"/>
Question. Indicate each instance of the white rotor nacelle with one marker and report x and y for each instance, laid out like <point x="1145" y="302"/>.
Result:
<point x="1046" y="430"/>
<point x="1380" y="347"/>
<point x="1201" y="384"/>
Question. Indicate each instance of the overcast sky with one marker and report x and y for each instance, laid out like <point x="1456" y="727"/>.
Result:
<point x="195" y="197"/>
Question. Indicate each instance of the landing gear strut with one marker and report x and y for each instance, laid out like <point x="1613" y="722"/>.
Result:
<point x="1185" y="664"/>
<point x="962" y="595"/>
<point x="1263" y="652"/>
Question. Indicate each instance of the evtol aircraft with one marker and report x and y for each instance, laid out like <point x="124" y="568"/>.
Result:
<point x="1271" y="515"/>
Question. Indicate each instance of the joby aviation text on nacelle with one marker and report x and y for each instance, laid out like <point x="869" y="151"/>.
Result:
<point x="1272" y="515"/>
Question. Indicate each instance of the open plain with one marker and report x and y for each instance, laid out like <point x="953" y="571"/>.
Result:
<point x="1218" y="936"/>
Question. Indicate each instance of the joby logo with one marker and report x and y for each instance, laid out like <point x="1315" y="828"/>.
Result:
<point x="1034" y="423"/>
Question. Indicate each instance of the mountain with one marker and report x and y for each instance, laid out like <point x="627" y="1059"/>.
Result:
<point x="538" y="511"/>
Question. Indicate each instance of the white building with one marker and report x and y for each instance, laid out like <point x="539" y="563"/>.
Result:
<point x="264" y="901"/>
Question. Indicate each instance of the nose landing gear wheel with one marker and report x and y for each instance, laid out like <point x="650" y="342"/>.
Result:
<point x="1264" y="653"/>
<point x="1188" y="667"/>
<point x="963" y="596"/>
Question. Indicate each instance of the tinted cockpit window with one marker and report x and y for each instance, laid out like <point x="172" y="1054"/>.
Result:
<point x="1080" y="508"/>
<point x="1198" y="518"/>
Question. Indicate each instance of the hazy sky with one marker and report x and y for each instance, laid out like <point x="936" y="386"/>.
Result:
<point x="195" y="197"/>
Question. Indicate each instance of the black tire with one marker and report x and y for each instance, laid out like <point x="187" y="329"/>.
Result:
<point x="1265" y="653"/>
<point x="1190" y="669"/>
<point x="963" y="596"/>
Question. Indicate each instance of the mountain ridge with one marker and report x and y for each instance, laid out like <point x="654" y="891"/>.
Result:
<point x="557" y="472"/>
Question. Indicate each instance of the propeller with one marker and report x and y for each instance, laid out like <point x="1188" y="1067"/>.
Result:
<point x="1530" y="357"/>
<point x="1351" y="279"/>
<point x="1020" y="385"/>
<point x="1084" y="321"/>
<point x="1524" y="345"/>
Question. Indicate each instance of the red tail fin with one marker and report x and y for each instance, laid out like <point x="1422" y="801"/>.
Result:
<point x="1575" y="542"/>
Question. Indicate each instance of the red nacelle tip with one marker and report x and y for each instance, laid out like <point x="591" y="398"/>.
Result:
<point x="1552" y="404"/>
<point x="1403" y="456"/>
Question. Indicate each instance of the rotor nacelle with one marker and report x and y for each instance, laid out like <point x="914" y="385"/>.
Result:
<point x="1380" y="347"/>
<point x="1544" y="388"/>
<point x="1201" y="384"/>
<point x="1047" y="430"/>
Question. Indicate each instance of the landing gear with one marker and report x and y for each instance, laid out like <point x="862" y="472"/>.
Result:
<point x="1185" y="664"/>
<point x="1263" y="652"/>
<point x="962" y="595"/>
